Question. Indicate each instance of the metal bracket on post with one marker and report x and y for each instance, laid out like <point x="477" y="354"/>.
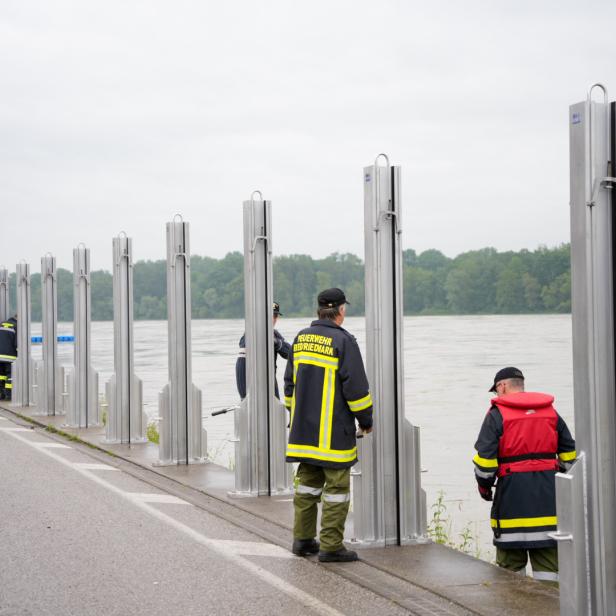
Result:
<point x="389" y="505"/>
<point x="124" y="391"/>
<point x="83" y="407"/>
<point x="599" y="183"/>
<point x="49" y="392"/>
<point x="261" y="420"/>
<point x="572" y="538"/>
<point x="181" y="430"/>
<point x="22" y="368"/>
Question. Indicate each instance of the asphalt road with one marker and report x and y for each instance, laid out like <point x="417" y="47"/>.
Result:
<point x="80" y="537"/>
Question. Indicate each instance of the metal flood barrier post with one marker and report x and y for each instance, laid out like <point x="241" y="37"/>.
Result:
<point x="22" y="368"/>
<point x="586" y="494"/>
<point x="83" y="409"/>
<point x="181" y="439"/>
<point x="50" y="382"/>
<point x="4" y="294"/>
<point x="124" y="391"/>
<point x="261" y="420"/>
<point x="389" y="506"/>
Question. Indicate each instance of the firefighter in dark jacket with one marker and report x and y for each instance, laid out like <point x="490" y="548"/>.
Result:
<point x="281" y="347"/>
<point x="523" y="442"/>
<point x="8" y="354"/>
<point x="326" y="390"/>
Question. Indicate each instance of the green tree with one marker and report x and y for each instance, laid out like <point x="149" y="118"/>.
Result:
<point x="557" y="295"/>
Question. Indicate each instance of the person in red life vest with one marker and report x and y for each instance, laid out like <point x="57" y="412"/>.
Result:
<point x="522" y="444"/>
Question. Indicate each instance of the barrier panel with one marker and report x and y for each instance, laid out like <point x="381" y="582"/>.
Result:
<point x="389" y="506"/>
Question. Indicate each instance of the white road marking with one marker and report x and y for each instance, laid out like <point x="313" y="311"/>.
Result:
<point x="3" y="419"/>
<point x="89" y="466"/>
<point x="216" y="545"/>
<point x="42" y="445"/>
<point x="168" y="499"/>
<point x="255" y="548"/>
<point x="16" y="429"/>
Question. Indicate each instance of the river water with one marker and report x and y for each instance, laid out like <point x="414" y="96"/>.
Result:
<point x="449" y="366"/>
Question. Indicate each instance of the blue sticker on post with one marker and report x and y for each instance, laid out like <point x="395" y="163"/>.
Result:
<point x="367" y="177"/>
<point x="576" y="118"/>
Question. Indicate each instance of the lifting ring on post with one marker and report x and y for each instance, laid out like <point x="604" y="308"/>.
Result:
<point x="49" y="274"/>
<point x="178" y="216"/>
<point x="389" y="213"/>
<point x="376" y="160"/>
<point x="259" y="237"/>
<point x="595" y="183"/>
<point x="255" y="192"/>
<point x="124" y="255"/>
<point x="81" y="274"/>
<point x="24" y="278"/>
<point x="598" y="85"/>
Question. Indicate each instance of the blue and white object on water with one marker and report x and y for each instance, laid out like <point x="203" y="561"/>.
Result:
<point x="39" y="339"/>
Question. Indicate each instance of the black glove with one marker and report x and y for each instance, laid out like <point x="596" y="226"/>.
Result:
<point x="485" y="493"/>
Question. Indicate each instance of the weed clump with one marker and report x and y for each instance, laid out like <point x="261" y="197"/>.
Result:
<point x="440" y="530"/>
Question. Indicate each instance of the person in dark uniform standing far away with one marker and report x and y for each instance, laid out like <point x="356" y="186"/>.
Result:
<point x="8" y="354"/>
<point x="326" y="390"/>
<point x="281" y="347"/>
<point x="523" y="442"/>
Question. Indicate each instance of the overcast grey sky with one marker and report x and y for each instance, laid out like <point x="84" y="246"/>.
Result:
<point x="115" y="115"/>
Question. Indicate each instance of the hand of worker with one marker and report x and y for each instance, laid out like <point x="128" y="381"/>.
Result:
<point x="367" y="430"/>
<point x="485" y="493"/>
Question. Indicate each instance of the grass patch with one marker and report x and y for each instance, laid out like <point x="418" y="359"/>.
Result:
<point x="152" y="433"/>
<point x="440" y="530"/>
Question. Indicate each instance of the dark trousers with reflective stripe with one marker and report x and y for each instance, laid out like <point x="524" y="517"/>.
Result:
<point x="542" y="560"/>
<point x="6" y="385"/>
<point x="333" y="485"/>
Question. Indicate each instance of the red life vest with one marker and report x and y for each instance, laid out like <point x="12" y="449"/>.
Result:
<point x="530" y="438"/>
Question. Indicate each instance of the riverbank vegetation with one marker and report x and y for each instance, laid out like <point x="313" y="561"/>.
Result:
<point x="476" y="282"/>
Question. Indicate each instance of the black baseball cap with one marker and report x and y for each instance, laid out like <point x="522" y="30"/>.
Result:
<point x="277" y="309"/>
<point x="506" y="373"/>
<point x="330" y="298"/>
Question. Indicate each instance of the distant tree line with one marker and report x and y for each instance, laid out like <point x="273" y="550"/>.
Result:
<point x="476" y="282"/>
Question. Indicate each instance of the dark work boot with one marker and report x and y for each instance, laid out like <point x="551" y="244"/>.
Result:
<point x="339" y="556"/>
<point x="303" y="547"/>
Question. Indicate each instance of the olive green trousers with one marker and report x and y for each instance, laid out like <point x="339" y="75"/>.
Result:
<point x="544" y="562"/>
<point x="333" y="487"/>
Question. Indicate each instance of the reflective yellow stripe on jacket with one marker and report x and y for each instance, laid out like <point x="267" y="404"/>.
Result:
<point x="567" y="456"/>
<point x="324" y="450"/>
<point x="321" y="453"/>
<point x="485" y="463"/>
<point x="525" y="522"/>
<point x="360" y="405"/>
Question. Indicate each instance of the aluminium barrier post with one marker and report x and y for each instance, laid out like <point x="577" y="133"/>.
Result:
<point x="261" y="420"/>
<point x="22" y="373"/>
<point x="83" y="408"/>
<point x="124" y="391"/>
<point x="50" y="387"/>
<point x="587" y="512"/>
<point x="181" y="438"/>
<point x="389" y="506"/>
